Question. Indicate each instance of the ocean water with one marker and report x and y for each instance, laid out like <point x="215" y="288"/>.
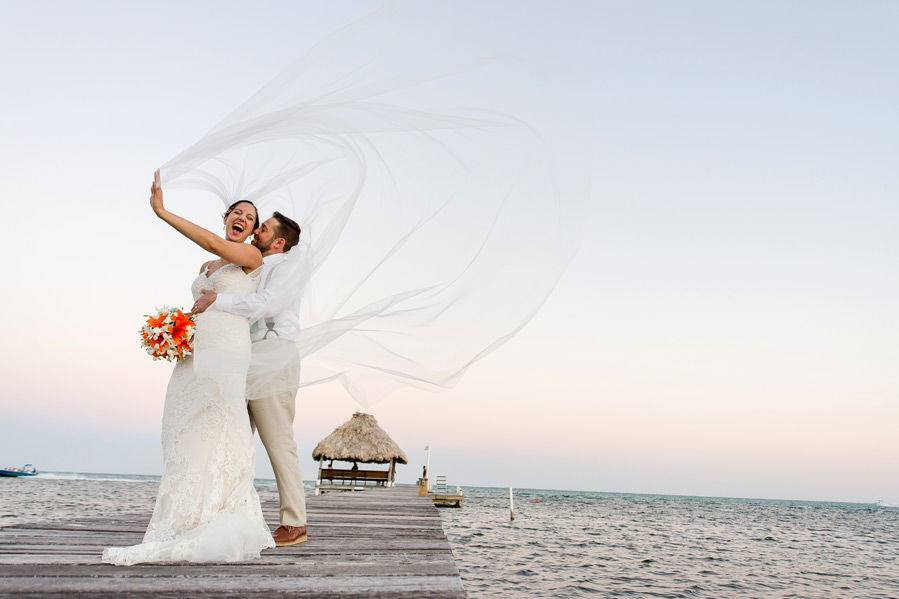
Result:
<point x="578" y="544"/>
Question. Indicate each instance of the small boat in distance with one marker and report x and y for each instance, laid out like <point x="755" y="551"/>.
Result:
<point x="26" y="470"/>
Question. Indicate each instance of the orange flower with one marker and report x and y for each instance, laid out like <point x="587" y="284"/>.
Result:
<point x="158" y="322"/>
<point x="182" y="326"/>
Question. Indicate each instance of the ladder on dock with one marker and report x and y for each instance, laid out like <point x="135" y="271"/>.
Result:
<point x="442" y="497"/>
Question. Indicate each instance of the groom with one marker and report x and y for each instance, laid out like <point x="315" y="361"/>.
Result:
<point x="272" y="396"/>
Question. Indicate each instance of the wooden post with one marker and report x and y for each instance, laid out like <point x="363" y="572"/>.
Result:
<point x="390" y="473"/>
<point x="427" y="475"/>
<point x="318" y="485"/>
<point x="511" y="506"/>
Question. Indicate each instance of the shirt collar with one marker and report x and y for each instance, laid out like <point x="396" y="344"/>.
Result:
<point x="273" y="259"/>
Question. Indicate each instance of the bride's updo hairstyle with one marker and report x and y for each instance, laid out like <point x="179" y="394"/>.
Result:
<point x="255" y="209"/>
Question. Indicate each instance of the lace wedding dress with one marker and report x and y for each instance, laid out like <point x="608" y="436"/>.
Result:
<point x="207" y="508"/>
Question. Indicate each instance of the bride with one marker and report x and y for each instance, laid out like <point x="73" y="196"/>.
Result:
<point x="207" y="508"/>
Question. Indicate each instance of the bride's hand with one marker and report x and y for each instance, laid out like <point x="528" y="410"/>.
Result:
<point x="156" y="194"/>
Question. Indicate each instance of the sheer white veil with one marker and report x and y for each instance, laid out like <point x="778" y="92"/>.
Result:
<point x="437" y="197"/>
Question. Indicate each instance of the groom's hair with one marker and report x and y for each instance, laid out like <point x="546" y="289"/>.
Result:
<point x="288" y="230"/>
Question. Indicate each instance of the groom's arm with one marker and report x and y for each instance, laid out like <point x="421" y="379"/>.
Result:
<point x="249" y="305"/>
<point x="264" y="303"/>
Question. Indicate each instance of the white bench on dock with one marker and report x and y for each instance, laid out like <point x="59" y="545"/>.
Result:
<point x="386" y="543"/>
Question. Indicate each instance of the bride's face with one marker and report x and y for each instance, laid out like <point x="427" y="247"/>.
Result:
<point x="240" y="222"/>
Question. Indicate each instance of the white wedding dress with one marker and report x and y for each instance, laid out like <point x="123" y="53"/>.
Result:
<point x="207" y="509"/>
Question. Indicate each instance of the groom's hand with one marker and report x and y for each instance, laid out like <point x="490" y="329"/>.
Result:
<point x="206" y="299"/>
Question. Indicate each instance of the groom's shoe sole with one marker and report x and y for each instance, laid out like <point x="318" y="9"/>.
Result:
<point x="299" y="540"/>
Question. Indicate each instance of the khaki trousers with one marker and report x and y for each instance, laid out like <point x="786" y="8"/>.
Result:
<point x="273" y="418"/>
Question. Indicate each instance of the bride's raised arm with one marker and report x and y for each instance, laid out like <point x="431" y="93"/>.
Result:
<point x="241" y="254"/>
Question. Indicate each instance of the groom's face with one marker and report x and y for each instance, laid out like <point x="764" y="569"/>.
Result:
<point x="265" y="235"/>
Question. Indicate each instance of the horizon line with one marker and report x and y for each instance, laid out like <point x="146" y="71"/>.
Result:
<point x="503" y="488"/>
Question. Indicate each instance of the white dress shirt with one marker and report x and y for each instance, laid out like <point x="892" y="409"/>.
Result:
<point x="286" y="324"/>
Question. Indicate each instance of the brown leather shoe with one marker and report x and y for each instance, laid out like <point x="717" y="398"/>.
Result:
<point x="285" y="536"/>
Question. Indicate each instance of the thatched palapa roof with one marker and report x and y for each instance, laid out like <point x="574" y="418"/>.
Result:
<point x="360" y="439"/>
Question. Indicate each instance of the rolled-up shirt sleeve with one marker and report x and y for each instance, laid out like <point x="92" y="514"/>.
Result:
<point x="249" y="305"/>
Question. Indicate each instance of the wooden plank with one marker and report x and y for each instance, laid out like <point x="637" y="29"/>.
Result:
<point x="320" y="531"/>
<point x="317" y="524"/>
<point x="247" y="585"/>
<point x="274" y="559"/>
<point x="341" y="546"/>
<point x="378" y="543"/>
<point x="284" y="568"/>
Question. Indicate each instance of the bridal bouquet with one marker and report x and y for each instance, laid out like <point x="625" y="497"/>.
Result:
<point x="169" y="334"/>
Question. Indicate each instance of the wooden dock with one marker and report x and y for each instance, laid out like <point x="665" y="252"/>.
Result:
<point x="447" y="499"/>
<point x="381" y="542"/>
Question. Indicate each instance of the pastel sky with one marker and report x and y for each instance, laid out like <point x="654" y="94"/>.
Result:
<point x="729" y="326"/>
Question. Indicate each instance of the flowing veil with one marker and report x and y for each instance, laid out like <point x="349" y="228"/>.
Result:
<point x="437" y="199"/>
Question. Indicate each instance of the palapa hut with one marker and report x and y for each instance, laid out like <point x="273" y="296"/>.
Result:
<point x="359" y="440"/>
